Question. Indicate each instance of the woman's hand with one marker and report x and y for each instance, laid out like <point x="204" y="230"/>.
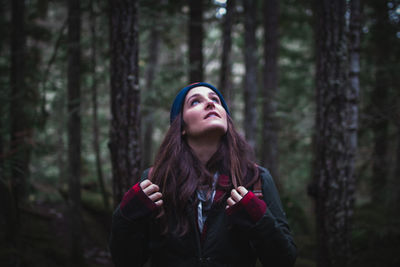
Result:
<point x="236" y="196"/>
<point x="152" y="191"/>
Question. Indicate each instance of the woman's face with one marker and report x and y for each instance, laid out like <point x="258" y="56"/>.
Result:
<point x="203" y="114"/>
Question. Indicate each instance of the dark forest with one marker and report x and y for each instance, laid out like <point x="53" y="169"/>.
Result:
<point x="86" y="88"/>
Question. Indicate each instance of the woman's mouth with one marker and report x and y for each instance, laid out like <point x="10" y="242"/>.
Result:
<point x="212" y="114"/>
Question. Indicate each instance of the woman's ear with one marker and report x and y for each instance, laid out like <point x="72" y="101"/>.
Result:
<point x="183" y="132"/>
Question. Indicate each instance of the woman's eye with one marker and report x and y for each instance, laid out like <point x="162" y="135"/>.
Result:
<point x="194" y="102"/>
<point x="216" y="100"/>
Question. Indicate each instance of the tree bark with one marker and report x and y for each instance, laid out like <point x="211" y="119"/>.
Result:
<point x="96" y="145"/>
<point x="125" y="97"/>
<point x="269" y="152"/>
<point x="396" y="118"/>
<point x="8" y="215"/>
<point x="154" y="50"/>
<point x="74" y="130"/>
<point x="396" y="178"/>
<point x="225" y="82"/>
<point x="2" y="176"/>
<point x="60" y="113"/>
<point x="336" y="139"/>
<point x="250" y="83"/>
<point x="380" y="103"/>
<point x="21" y="130"/>
<point x="195" y="41"/>
<point x="4" y="93"/>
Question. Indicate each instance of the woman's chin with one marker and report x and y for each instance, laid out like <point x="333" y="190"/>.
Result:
<point x="215" y="130"/>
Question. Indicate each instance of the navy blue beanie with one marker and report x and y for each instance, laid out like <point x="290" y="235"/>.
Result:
<point x="180" y="98"/>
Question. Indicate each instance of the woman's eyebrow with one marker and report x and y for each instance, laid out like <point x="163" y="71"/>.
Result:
<point x="194" y="95"/>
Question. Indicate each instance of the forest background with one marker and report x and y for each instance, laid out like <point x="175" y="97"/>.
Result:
<point x="86" y="88"/>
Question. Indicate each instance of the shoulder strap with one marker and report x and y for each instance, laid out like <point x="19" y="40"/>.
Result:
<point x="257" y="187"/>
<point x="146" y="174"/>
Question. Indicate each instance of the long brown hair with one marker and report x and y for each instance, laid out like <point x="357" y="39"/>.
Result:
<point x="178" y="172"/>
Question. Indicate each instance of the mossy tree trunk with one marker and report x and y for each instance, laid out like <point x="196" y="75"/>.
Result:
<point x="21" y="122"/>
<point x="251" y="63"/>
<point x="148" y="111"/>
<point x="74" y="130"/>
<point x="196" y="34"/>
<point x="335" y="139"/>
<point x="125" y="97"/>
<point x="269" y="148"/>
<point x="380" y="109"/>
<point x="225" y="80"/>
<point x="96" y="144"/>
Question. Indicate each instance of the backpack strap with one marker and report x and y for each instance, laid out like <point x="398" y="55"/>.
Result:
<point x="146" y="174"/>
<point x="257" y="187"/>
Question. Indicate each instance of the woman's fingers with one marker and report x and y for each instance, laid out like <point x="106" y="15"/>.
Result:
<point x="151" y="189"/>
<point x="155" y="196"/>
<point x="145" y="184"/>
<point x="159" y="202"/>
<point x="230" y="202"/>
<point x="235" y="195"/>
<point x="242" y="191"/>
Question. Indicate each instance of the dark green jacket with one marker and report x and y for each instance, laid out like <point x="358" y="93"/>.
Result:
<point x="231" y="239"/>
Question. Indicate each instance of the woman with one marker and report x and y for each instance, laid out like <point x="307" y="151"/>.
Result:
<point x="198" y="205"/>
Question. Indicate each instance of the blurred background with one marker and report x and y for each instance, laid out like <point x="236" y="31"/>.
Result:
<point x="86" y="88"/>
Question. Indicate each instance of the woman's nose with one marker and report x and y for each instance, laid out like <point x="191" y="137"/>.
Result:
<point x="210" y="104"/>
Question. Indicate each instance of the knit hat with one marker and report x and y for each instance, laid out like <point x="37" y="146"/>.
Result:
<point x="180" y="98"/>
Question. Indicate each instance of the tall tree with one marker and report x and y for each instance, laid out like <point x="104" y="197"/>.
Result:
<point x="196" y="41"/>
<point x="380" y="100"/>
<point x="125" y="97"/>
<point x="335" y="139"/>
<point x="3" y="93"/>
<point x="153" y="53"/>
<point x="269" y="150"/>
<point x="396" y="181"/>
<point x="61" y="159"/>
<point x="250" y="79"/>
<point x="96" y="145"/>
<point x="392" y="66"/>
<point x="21" y="131"/>
<point x="225" y="83"/>
<point x="396" y="177"/>
<point x="74" y="129"/>
<point x="8" y="209"/>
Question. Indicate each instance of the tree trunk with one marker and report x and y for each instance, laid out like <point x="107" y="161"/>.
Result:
<point x="269" y="150"/>
<point x="2" y="176"/>
<point x="154" y="49"/>
<point x="96" y="145"/>
<point x="3" y="93"/>
<point x="74" y="130"/>
<point x="125" y="97"/>
<point x="225" y="82"/>
<point x="379" y="103"/>
<point x="250" y="83"/>
<point x="336" y="140"/>
<point x="196" y="41"/>
<point x="395" y="116"/>
<point x="60" y="113"/>
<point x="396" y="178"/>
<point x="21" y="130"/>
<point x="8" y="216"/>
